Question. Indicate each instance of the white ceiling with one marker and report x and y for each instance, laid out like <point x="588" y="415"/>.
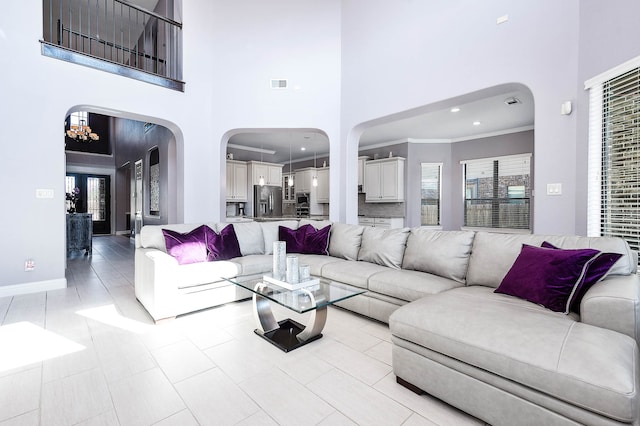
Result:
<point x="434" y="123"/>
<point x="442" y="125"/>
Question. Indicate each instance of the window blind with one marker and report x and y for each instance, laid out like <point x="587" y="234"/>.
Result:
<point x="430" y="190"/>
<point x="614" y="158"/>
<point x="497" y="192"/>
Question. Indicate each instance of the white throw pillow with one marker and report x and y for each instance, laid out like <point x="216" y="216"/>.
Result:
<point x="344" y="240"/>
<point x="383" y="246"/>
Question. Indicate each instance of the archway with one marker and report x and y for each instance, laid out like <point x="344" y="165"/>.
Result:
<point x="131" y="140"/>
<point x="444" y="133"/>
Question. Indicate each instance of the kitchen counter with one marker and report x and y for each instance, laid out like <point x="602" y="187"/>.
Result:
<point x="381" y="222"/>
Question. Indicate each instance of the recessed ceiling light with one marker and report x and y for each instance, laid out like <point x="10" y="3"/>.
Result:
<point x="455" y="109"/>
<point x="303" y="149"/>
<point x="476" y="123"/>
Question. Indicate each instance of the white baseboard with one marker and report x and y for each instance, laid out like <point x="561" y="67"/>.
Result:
<point x="33" y="287"/>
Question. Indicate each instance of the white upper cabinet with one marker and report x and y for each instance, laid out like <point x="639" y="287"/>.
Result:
<point x="236" y="181"/>
<point x="302" y="179"/>
<point x="322" y="191"/>
<point x="361" y="163"/>
<point x="272" y="173"/>
<point x="384" y="180"/>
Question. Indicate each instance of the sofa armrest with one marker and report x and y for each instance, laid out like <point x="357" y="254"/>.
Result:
<point x="614" y="303"/>
<point x="155" y="285"/>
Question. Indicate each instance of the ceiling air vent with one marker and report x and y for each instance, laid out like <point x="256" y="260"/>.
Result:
<point x="512" y="101"/>
<point x="278" y="84"/>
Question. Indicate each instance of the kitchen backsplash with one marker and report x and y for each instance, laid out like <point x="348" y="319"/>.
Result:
<point x="379" y="209"/>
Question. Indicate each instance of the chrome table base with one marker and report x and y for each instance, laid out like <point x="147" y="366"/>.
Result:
<point x="287" y="334"/>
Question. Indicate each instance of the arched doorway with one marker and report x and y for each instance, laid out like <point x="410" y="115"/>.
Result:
<point x="127" y="166"/>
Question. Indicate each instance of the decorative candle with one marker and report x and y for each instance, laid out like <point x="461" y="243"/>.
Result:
<point x="292" y="269"/>
<point x="279" y="259"/>
<point x="305" y="273"/>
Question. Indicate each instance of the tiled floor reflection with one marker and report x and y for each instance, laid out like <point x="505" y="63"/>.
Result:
<point x="90" y="355"/>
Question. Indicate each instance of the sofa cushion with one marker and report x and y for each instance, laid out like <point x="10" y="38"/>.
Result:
<point x="318" y="224"/>
<point x="306" y="239"/>
<point x="383" y="246"/>
<point x="587" y="366"/>
<point x="223" y="245"/>
<point x="270" y="232"/>
<point x="202" y="273"/>
<point x="409" y="285"/>
<point x="250" y="237"/>
<point x="190" y="247"/>
<point x="353" y="273"/>
<point x="546" y="276"/>
<point x="151" y="236"/>
<point x="316" y="262"/>
<point x="596" y="271"/>
<point x="625" y="266"/>
<point x="444" y="253"/>
<point x="344" y="241"/>
<point x="255" y="264"/>
<point x="493" y="253"/>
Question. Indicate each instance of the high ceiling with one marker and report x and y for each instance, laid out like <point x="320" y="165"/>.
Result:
<point x="495" y="110"/>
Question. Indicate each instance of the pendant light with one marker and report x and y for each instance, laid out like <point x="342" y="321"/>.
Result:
<point x="314" y="180"/>
<point x="261" y="178"/>
<point x="290" y="174"/>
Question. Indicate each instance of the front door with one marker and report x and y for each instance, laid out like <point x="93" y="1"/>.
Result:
<point x="94" y="197"/>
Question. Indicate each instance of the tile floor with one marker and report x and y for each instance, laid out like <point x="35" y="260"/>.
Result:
<point x="90" y="355"/>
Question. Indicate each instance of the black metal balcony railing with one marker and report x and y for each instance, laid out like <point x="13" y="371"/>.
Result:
<point x="115" y="36"/>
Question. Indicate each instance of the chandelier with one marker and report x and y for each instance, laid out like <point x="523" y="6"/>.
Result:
<point x="82" y="132"/>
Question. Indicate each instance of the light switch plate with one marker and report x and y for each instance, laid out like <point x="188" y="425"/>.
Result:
<point x="44" y="193"/>
<point x="554" y="189"/>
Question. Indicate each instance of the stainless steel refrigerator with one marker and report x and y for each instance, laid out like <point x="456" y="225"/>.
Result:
<point x="267" y="201"/>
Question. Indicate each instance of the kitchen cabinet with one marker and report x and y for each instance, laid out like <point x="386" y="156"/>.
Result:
<point x="237" y="181"/>
<point x="272" y="173"/>
<point x="302" y="180"/>
<point x="384" y="180"/>
<point x="288" y="191"/>
<point x="361" y="163"/>
<point x="382" y="222"/>
<point x="322" y="191"/>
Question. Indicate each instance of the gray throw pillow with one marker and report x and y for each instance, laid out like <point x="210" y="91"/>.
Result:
<point x="383" y="246"/>
<point x="344" y="240"/>
<point x="443" y="253"/>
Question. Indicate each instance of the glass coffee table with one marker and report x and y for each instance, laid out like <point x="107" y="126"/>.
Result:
<point x="288" y="334"/>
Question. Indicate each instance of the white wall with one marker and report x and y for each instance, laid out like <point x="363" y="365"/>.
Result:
<point x="348" y="62"/>
<point x="399" y="55"/>
<point x="231" y="50"/>
<point x="609" y="35"/>
<point x="286" y="39"/>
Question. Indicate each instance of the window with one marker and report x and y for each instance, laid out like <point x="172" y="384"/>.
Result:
<point x="79" y="118"/>
<point x="154" y="182"/>
<point x="614" y="154"/>
<point x="96" y="198"/>
<point x="430" y="194"/>
<point x="497" y="192"/>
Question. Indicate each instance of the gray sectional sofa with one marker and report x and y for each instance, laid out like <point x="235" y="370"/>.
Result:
<point x="497" y="357"/>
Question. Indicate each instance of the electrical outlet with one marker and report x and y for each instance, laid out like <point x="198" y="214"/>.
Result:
<point x="29" y="265"/>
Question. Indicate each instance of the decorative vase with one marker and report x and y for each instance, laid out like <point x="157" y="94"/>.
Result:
<point x="305" y="273"/>
<point x="292" y="269"/>
<point x="279" y="259"/>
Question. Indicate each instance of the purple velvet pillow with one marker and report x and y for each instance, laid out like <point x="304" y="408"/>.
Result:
<point x="547" y="276"/>
<point x="306" y="239"/>
<point x="187" y="248"/>
<point x="597" y="270"/>
<point x="293" y="237"/>
<point x="316" y="241"/>
<point x="224" y="245"/>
